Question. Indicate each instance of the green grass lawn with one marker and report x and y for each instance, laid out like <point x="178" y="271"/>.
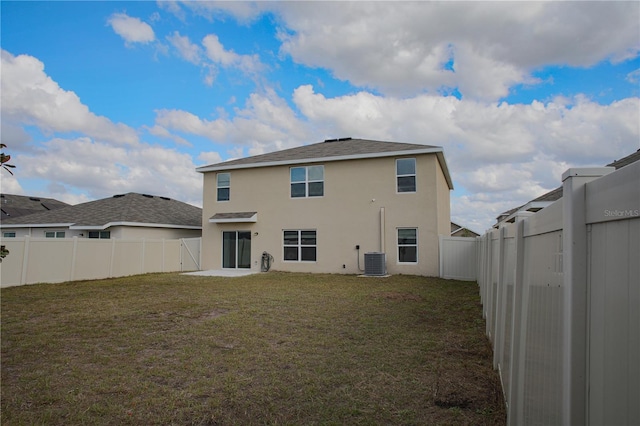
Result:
<point x="274" y="348"/>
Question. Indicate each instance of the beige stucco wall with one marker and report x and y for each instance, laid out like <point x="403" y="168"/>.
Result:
<point x="349" y="214"/>
<point x="40" y="232"/>
<point x="152" y="233"/>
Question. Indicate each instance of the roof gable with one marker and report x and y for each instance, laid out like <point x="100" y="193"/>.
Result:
<point x="131" y="208"/>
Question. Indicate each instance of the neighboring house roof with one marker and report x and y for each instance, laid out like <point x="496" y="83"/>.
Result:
<point x="333" y="150"/>
<point x="20" y="205"/>
<point x="125" y="209"/>
<point x="460" y="231"/>
<point x="629" y="159"/>
<point x="555" y="194"/>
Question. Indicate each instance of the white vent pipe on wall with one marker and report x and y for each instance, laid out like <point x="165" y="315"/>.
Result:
<point x="382" y="228"/>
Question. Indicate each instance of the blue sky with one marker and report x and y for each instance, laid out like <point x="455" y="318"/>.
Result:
<point x="100" y="98"/>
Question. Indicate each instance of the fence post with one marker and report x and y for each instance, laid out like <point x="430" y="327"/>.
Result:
<point x="163" y="255"/>
<point x="574" y="242"/>
<point x="72" y="273"/>
<point x="497" y="340"/>
<point x="143" y="256"/>
<point x="518" y="318"/>
<point x="113" y="255"/>
<point x="25" y="260"/>
<point x="440" y="255"/>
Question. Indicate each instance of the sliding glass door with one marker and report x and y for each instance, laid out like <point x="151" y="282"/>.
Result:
<point x="236" y="249"/>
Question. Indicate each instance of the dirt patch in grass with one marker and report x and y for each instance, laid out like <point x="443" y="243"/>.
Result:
<point x="271" y="348"/>
<point x="407" y="297"/>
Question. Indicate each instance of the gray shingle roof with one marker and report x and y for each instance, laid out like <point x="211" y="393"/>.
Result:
<point x="19" y="205"/>
<point x="333" y="148"/>
<point x="629" y="159"/>
<point x="131" y="207"/>
<point x="234" y="215"/>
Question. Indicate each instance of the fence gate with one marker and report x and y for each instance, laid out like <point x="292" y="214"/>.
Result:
<point x="458" y="258"/>
<point x="190" y="254"/>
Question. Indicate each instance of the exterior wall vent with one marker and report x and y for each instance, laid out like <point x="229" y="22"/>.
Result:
<point x="375" y="264"/>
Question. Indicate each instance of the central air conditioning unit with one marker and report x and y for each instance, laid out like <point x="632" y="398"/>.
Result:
<point x="375" y="264"/>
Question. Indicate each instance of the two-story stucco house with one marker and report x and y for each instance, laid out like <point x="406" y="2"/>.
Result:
<point x="321" y="207"/>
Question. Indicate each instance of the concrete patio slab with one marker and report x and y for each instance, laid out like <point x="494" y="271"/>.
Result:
<point x="223" y="273"/>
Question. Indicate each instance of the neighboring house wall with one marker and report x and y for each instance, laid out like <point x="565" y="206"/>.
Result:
<point x="360" y="206"/>
<point x="151" y="232"/>
<point x="38" y="232"/>
<point x="116" y="232"/>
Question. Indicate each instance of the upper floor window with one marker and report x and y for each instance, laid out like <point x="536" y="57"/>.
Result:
<point x="223" y="183"/>
<point x="406" y="174"/>
<point x="307" y="181"/>
<point x="54" y="234"/>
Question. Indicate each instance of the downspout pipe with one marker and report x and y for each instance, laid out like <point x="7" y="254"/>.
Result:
<point x="382" y="229"/>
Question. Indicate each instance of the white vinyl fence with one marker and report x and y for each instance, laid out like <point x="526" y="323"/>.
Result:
<point x="458" y="258"/>
<point x="53" y="260"/>
<point x="561" y="297"/>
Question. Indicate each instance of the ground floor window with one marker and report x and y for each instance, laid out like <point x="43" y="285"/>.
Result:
<point x="300" y="246"/>
<point x="100" y="234"/>
<point x="9" y="235"/>
<point x="54" y="234"/>
<point x="407" y="245"/>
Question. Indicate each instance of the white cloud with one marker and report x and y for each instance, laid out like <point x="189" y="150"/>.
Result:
<point x="264" y="124"/>
<point x="403" y="48"/>
<point x="244" y="11"/>
<point x="187" y="50"/>
<point x="213" y="56"/>
<point x="164" y="133"/>
<point x="634" y="77"/>
<point x="209" y="157"/>
<point x="105" y="159"/>
<point x="9" y="184"/>
<point x="30" y="97"/>
<point x="132" y="30"/>
<point x="80" y="164"/>
<point x="216" y="52"/>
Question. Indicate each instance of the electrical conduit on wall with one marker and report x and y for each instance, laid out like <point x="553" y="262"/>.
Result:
<point x="382" y="228"/>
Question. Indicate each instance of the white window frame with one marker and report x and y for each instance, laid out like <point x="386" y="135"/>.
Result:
<point x="307" y="181"/>
<point x="414" y="175"/>
<point x="219" y="187"/>
<point x="102" y="235"/>
<point x="299" y="246"/>
<point x="54" y="234"/>
<point x="407" y="245"/>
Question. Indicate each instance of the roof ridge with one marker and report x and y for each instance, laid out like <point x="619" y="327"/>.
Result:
<point x="329" y="149"/>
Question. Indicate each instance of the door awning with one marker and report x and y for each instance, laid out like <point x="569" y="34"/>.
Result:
<point x="237" y="217"/>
